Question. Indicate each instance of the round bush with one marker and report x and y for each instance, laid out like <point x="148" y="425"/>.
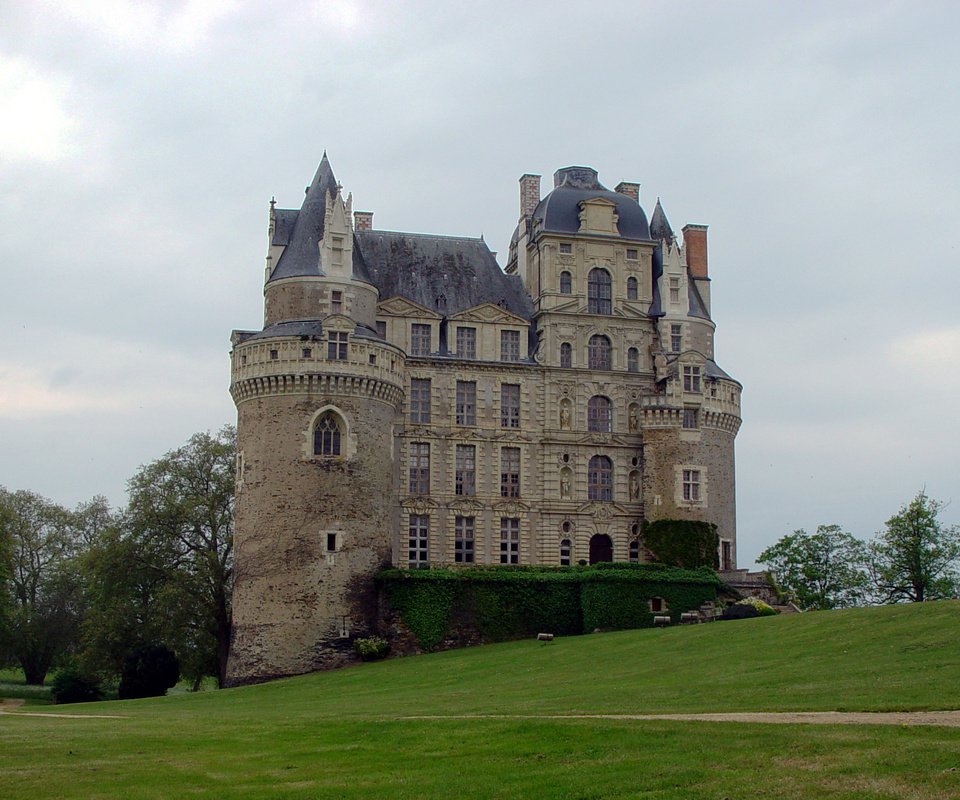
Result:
<point x="148" y="672"/>
<point x="70" y="685"/>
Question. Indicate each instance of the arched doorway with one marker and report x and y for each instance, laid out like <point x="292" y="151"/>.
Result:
<point x="601" y="548"/>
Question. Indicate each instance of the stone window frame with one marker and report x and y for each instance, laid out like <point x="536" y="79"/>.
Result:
<point x="466" y="341"/>
<point x="657" y="605"/>
<point x="632" y="288"/>
<point x="691" y="486"/>
<point x="421" y="338"/>
<point x="600" y="479"/>
<point x="673" y="285"/>
<point x="600" y="414"/>
<point x="566" y="282"/>
<point x="466" y="403"/>
<point x="599" y="291"/>
<point x="632" y="254"/>
<point x="691" y="419"/>
<point x="418" y="539"/>
<point x="633" y="551"/>
<point x="465" y="470"/>
<point x="509" y="540"/>
<point x="676" y="337"/>
<point x="509" y="345"/>
<point x="692" y="378"/>
<point x="566" y="355"/>
<point x="420" y="402"/>
<point x="510" y="403"/>
<point x="725" y="559"/>
<point x="633" y="359"/>
<point x="418" y="468"/>
<point x="565" y="248"/>
<point x="566" y="552"/>
<point x="465" y="538"/>
<point x="511" y="460"/>
<point x="338" y="346"/>
<point x="599" y="352"/>
<point x="348" y="443"/>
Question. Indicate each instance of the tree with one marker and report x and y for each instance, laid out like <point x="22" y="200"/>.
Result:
<point x="180" y="526"/>
<point x="915" y="557"/>
<point x="148" y="672"/>
<point x="44" y="586"/>
<point x="823" y="570"/>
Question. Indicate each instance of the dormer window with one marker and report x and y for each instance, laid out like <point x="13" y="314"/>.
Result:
<point x="674" y="290"/>
<point x="691" y="379"/>
<point x="337" y="346"/>
<point x="419" y="339"/>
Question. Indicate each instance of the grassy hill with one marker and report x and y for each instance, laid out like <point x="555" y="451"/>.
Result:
<point x="349" y="733"/>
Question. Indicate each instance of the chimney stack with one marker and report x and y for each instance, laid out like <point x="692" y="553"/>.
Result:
<point x="362" y="220"/>
<point x="695" y="245"/>
<point x="629" y="189"/>
<point x="529" y="194"/>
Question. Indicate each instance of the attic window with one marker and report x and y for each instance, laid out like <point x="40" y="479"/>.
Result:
<point x="441" y="303"/>
<point x="566" y="248"/>
<point x="631" y="254"/>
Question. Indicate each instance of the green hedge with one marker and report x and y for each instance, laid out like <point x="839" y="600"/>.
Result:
<point x="683" y="542"/>
<point x="499" y="603"/>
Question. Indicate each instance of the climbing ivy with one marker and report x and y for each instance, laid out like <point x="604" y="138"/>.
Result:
<point x="683" y="542"/>
<point x="449" y="606"/>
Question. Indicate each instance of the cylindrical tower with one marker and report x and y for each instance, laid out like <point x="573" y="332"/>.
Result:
<point x="318" y="394"/>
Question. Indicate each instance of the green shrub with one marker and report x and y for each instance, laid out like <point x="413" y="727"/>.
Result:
<point x="683" y="542"/>
<point x="763" y="610"/>
<point x="148" y="672"/>
<point x="371" y="648"/>
<point x="71" y="685"/>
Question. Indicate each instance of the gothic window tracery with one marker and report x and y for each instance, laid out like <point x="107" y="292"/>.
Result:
<point x="326" y="435"/>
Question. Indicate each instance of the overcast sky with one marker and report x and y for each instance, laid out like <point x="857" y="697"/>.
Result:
<point x="140" y="145"/>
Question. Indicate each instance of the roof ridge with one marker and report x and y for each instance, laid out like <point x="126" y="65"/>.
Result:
<point x="426" y="235"/>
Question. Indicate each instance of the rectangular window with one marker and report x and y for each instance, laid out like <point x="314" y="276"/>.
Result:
<point x="509" y="540"/>
<point x="463" y="543"/>
<point x="566" y="248"/>
<point x="337" y="346"/>
<point x="381" y="329"/>
<point x="466" y="403"/>
<point x="691" y="379"/>
<point x="307" y="352"/>
<point x="676" y="338"/>
<point x="420" y="400"/>
<point x="509" y="345"/>
<point x="690" y="418"/>
<point x="565" y="553"/>
<point x="691" y="485"/>
<point x="674" y="290"/>
<point x="467" y="342"/>
<point x="566" y="355"/>
<point x="466" y="470"/>
<point x="331" y="542"/>
<point x="419" y="340"/>
<point x="510" y="472"/>
<point x="631" y="254"/>
<point x="336" y="302"/>
<point x="419" y="538"/>
<point x="419" y="466"/>
<point x="274" y="355"/>
<point x="510" y="405"/>
<point x="726" y="554"/>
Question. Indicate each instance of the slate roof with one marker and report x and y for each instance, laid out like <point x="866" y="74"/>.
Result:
<point x="304" y="328"/>
<point x="559" y="211"/>
<point x="424" y="268"/>
<point x="301" y="231"/>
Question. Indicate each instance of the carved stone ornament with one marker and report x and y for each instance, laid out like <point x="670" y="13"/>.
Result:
<point x="566" y="483"/>
<point x="634" y="420"/>
<point x="566" y="414"/>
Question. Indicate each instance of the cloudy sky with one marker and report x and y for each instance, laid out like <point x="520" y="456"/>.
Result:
<point x="141" y="143"/>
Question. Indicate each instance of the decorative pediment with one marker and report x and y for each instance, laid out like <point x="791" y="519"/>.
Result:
<point x="512" y="507"/>
<point x="602" y="511"/>
<point x="419" y="505"/>
<point x="488" y="312"/>
<point x="401" y="307"/>
<point x="466" y="504"/>
<point x="339" y="322"/>
<point x="598" y="215"/>
<point x="472" y="435"/>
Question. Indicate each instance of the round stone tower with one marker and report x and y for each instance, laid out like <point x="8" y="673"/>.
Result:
<point x="318" y="393"/>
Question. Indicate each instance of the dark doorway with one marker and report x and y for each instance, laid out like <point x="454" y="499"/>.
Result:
<point x="601" y="548"/>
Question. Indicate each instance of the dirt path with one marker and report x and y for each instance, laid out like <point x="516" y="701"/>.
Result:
<point x="942" y="718"/>
<point x="9" y="707"/>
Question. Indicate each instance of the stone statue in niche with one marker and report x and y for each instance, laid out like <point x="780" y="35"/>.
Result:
<point x="634" y="486"/>
<point x="565" y="415"/>
<point x="634" y="421"/>
<point x="565" y="484"/>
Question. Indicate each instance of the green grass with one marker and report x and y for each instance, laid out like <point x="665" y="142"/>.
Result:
<point x="345" y="733"/>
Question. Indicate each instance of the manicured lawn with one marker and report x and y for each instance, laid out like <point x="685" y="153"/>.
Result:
<point x="345" y="734"/>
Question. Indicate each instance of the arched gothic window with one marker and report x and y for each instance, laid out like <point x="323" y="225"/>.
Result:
<point x="600" y="479"/>
<point x="326" y="435"/>
<point x="566" y="283"/>
<point x="566" y="355"/>
<point x="599" y="352"/>
<point x="633" y="360"/>
<point x="631" y="288"/>
<point x="599" y="414"/>
<point x="599" y="292"/>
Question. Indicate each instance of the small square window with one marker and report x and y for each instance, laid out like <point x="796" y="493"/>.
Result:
<point x="307" y="352"/>
<point x="274" y="355"/>
<point x="631" y="254"/>
<point x="566" y="248"/>
<point x="373" y="359"/>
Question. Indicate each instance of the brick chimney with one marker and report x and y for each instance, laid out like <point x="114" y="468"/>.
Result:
<point x="695" y="245"/>
<point x="629" y="189"/>
<point x="362" y="220"/>
<point x="529" y="194"/>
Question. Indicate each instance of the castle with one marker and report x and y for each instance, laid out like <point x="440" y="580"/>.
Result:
<point x="410" y="403"/>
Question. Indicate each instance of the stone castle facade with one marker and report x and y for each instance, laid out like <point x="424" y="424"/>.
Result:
<point x="408" y="402"/>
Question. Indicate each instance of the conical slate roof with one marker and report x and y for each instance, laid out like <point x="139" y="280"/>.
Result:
<point x="659" y="224"/>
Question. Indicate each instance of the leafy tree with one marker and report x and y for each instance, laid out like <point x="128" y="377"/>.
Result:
<point x="915" y="557"/>
<point x="823" y="570"/>
<point x="180" y="527"/>
<point x="44" y="586"/>
<point x="72" y="685"/>
<point x="148" y="672"/>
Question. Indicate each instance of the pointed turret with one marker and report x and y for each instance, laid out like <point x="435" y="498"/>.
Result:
<point x="659" y="224"/>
